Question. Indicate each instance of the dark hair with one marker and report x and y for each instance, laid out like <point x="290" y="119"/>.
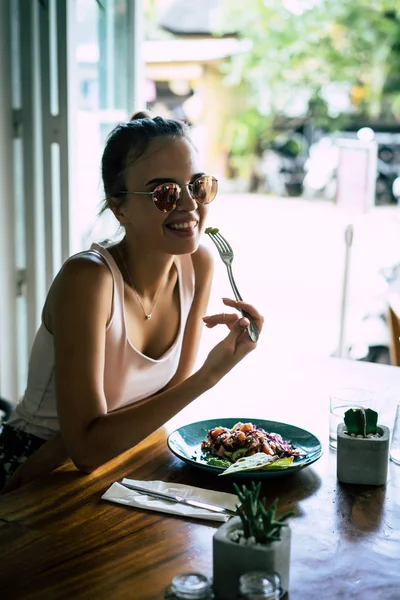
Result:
<point x="127" y="142"/>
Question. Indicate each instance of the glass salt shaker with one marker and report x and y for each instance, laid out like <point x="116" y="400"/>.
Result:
<point x="257" y="585"/>
<point x="189" y="586"/>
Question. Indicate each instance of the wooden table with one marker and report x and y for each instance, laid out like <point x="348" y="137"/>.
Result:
<point x="59" y="540"/>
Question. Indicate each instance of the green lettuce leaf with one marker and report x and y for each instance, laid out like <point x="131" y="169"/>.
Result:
<point x="258" y="462"/>
<point x="218" y="462"/>
<point x="281" y="463"/>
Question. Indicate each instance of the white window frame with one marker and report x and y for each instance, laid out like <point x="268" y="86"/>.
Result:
<point x="39" y="60"/>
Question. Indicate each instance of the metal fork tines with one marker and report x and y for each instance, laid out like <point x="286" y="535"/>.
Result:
<point x="226" y="254"/>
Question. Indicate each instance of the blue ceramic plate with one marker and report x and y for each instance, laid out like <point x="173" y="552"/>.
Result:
<point x="185" y="443"/>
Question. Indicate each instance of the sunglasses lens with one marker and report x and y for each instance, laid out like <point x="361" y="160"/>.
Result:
<point x="205" y="189"/>
<point x="166" y="197"/>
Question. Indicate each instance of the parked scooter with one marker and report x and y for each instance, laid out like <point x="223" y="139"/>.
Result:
<point x="387" y="172"/>
<point x="321" y="168"/>
<point x="396" y="190"/>
<point x="280" y="169"/>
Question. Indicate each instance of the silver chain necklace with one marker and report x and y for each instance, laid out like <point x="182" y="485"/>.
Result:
<point x="147" y="316"/>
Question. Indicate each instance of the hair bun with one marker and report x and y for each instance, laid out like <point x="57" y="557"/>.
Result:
<point x="140" y="114"/>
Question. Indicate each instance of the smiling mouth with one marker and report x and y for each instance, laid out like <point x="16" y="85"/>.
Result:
<point x="187" y="226"/>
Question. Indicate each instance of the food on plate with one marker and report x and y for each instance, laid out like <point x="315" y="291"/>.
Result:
<point x="229" y="445"/>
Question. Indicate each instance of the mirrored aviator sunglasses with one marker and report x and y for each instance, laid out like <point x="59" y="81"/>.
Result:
<point x="166" y="196"/>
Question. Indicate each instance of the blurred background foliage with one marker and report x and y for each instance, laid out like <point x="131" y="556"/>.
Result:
<point x="311" y="51"/>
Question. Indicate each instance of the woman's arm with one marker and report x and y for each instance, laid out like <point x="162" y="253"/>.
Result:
<point x="53" y="453"/>
<point x="80" y="313"/>
<point x="108" y="435"/>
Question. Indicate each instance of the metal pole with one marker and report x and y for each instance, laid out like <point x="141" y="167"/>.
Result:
<point x="8" y="327"/>
<point x="348" y="238"/>
<point x="47" y="135"/>
<point x="64" y="56"/>
<point x="32" y="173"/>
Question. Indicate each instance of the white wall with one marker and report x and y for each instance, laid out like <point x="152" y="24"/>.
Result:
<point x="8" y="370"/>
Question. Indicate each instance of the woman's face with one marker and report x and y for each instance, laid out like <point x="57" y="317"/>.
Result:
<point x="166" y="160"/>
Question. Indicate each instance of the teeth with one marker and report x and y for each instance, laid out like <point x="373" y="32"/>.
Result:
<point x="187" y="225"/>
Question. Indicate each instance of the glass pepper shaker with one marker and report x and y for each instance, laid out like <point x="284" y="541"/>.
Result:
<point x="257" y="585"/>
<point x="189" y="586"/>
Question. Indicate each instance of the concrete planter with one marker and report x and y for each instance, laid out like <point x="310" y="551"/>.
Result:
<point x="362" y="460"/>
<point x="231" y="560"/>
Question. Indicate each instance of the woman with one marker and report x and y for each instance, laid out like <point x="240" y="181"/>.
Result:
<point x="112" y="360"/>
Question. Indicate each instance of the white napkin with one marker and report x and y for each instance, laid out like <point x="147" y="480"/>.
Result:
<point x="122" y="495"/>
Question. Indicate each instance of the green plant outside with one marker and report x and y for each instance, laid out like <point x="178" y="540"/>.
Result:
<point x="302" y="48"/>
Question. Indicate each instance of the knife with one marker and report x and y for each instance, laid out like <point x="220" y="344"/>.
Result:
<point x="180" y="500"/>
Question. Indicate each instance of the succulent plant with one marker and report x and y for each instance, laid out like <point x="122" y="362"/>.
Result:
<point x="360" y="421"/>
<point x="258" y="521"/>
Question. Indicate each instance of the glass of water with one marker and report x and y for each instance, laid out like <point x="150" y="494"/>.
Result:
<point x="340" y="401"/>
<point x="395" y="443"/>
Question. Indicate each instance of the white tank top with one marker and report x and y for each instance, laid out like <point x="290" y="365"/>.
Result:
<point x="129" y="375"/>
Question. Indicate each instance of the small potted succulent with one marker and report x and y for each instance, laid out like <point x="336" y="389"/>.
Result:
<point x="362" y="448"/>
<point x="255" y="540"/>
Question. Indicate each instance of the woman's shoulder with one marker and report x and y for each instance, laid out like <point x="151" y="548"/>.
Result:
<point x="82" y="276"/>
<point x="88" y="266"/>
<point x="83" y="282"/>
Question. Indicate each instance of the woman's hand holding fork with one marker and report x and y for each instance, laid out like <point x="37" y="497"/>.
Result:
<point x="231" y="350"/>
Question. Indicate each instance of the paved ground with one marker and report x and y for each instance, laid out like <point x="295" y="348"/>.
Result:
<point x="289" y="262"/>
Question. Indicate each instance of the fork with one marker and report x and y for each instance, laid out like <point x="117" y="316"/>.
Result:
<point x="226" y="254"/>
